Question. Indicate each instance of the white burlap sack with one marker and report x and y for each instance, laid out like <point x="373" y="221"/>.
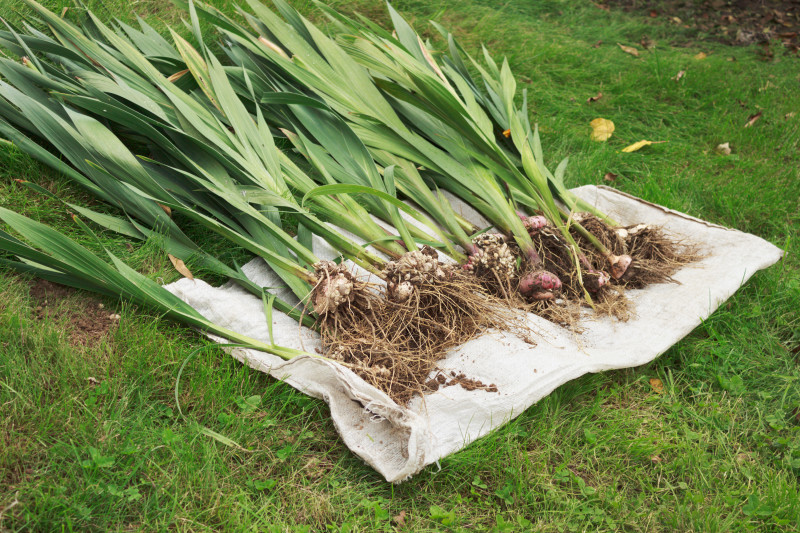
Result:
<point x="400" y="441"/>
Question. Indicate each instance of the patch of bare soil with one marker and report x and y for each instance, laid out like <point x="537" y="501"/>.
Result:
<point x="89" y="320"/>
<point x="733" y="22"/>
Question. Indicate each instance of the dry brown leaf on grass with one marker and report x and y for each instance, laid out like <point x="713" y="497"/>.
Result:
<point x="180" y="266"/>
<point x="752" y="119"/>
<point x="657" y="385"/>
<point x="679" y="75"/>
<point x="629" y="50"/>
<point x="701" y="56"/>
<point x="166" y="209"/>
<point x="597" y="44"/>
<point x="594" y="98"/>
<point x="601" y="129"/>
<point x="724" y="149"/>
<point x="639" y="145"/>
<point x="790" y="115"/>
<point x="610" y="176"/>
<point x="400" y="519"/>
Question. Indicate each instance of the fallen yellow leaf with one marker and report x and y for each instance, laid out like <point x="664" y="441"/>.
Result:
<point x="180" y="266"/>
<point x="601" y="129"/>
<point x="639" y="145"/>
<point x="629" y="50"/>
<point x="658" y="386"/>
<point x="700" y="56"/>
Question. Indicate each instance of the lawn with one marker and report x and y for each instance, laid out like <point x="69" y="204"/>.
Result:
<point x="705" y="438"/>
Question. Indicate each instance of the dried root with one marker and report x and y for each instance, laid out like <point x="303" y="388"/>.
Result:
<point x="640" y="255"/>
<point x="393" y="338"/>
<point x="655" y="256"/>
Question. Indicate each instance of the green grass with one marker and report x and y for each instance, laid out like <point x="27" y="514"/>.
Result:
<point x="718" y="450"/>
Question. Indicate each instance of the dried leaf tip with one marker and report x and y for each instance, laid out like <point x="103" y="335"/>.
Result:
<point x="178" y="75"/>
<point x="274" y="47"/>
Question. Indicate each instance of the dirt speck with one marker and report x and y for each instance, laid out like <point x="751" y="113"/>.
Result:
<point x="459" y="379"/>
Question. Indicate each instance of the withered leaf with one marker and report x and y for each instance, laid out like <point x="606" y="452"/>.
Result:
<point x="679" y="75"/>
<point x="274" y="47"/>
<point x="597" y="44"/>
<point x="629" y="50"/>
<point x="400" y="519"/>
<point x="601" y="129"/>
<point x="657" y="385"/>
<point x="594" y="98"/>
<point x="180" y="266"/>
<point x="724" y="149"/>
<point x="701" y="56"/>
<point x="178" y="75"/>
<point x="610" y="176"/>
<point x="647" y="43"/>
<point x="639" y="145"/>
<point x="752" y="119"/>
<point x="653" y="13"/>
<point x="166" y="209"/>
<point x="790" y="114"/>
